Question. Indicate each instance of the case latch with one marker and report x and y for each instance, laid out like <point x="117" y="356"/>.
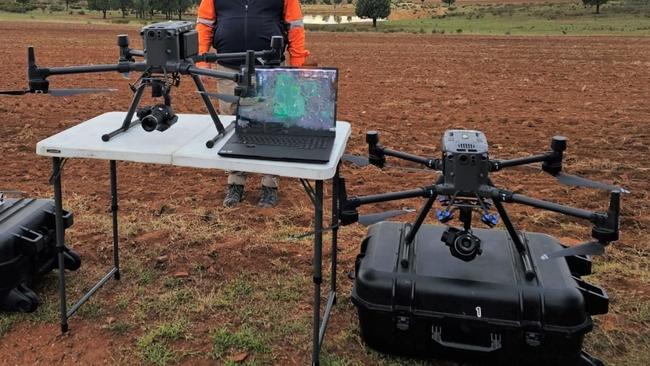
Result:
<point x="533" y="339"/>
<point x="403" y="323"/>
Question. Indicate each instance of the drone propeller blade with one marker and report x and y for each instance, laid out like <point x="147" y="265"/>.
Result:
<point x="356" y="159"/>
<point x="228" y="98"/>
<point x="70" y="92"/>
<point x="369" y="219"/>
<point x="576" y="181"/>
<point x="14" y="92"/>
<point x="589" y="248"/>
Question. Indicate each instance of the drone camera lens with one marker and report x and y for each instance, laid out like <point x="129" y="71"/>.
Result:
<point x="149" y="123"/>
<point x="151" y="34"/>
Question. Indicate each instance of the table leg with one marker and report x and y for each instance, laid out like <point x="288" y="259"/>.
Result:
<point x="60" y="239"/>
<point x="318" y="270"/>
<point x="335" y="228"/>
<point x="114" y="208"/>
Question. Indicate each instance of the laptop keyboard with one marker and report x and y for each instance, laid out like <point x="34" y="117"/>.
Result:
<point x="300" y="142"/>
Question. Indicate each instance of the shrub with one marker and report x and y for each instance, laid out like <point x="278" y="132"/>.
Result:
<point x="55" y="7"/>
<point x="16" y="8"/>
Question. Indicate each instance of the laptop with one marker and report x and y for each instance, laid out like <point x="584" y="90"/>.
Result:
<point x="290" y="116"/>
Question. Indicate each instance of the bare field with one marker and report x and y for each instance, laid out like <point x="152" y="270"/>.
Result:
<point x="206" y="285"/>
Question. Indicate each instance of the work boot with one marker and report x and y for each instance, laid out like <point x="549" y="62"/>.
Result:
<point x="269" y="197"/>
<point x="234" y="195"/>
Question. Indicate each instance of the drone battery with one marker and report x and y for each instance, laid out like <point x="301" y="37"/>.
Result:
<point x="28" y="250"/>
<point x="169" y="42"/>
<point x="418" y="300"/>
<point x="465" y="159"/>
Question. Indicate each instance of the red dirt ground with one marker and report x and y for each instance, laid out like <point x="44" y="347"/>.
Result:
<point x="520" y="91"/>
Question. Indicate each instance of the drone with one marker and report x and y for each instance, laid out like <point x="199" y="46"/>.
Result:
<point x="170" y="50"/>
<point x="464" y="187"/>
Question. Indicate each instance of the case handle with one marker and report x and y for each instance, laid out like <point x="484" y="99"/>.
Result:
<point x="495" y="342"/>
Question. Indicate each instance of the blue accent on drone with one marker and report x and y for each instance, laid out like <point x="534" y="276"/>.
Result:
<point x="444" y="216"/>
<point x="490" y="219"/>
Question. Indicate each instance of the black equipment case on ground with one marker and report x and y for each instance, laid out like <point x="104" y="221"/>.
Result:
<point x="28" y="250"/>
<point x="418" y="300"/>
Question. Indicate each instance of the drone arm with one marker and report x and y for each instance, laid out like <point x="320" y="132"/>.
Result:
<point x="119" y="67"/>
<point x="496" y="165"/>
<point x="551" y="206"/>
<point x="274" y="54"/>
<point x="428" y="162"/>
<point x="606" y="225"/>
<point x="214" y="57"/>
<point x="376" y="154"/>
<point x="348" y="213"/>
<point x="391" y="196"/>
<point x="193" y="70"/>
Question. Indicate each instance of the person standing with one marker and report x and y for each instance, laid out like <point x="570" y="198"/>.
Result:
<point x="238" y="26"/>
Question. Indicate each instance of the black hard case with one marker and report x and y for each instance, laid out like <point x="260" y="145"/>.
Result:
<point x="28" y="250"/>
<point x="439" y="306"/>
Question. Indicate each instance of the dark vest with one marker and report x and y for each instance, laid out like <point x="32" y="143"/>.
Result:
<point x="247" y="25"/>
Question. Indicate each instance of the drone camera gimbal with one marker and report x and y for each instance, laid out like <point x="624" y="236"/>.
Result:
<point x="464" y="185"/>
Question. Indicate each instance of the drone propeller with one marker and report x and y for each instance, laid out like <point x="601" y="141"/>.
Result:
<point x="589" y="248"/>
<point x="58" y="92"/>
<point x="14" y="92"/>
<point x="576" y="181"/>
<point x="70" y="92"/>
<point x="356" y="159"/>
<point x="373" y="218"/>
<point x="228" y="98"/>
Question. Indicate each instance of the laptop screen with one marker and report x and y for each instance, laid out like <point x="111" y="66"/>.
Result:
<point x="292" y="98"/>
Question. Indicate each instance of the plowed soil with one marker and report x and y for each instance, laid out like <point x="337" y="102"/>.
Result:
<point x="520" y="91"/>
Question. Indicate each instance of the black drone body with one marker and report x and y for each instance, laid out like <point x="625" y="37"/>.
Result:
<point x="170" y="50"/>
<point x="464" y="186"/>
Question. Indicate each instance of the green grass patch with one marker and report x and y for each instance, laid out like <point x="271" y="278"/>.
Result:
<point x="154" y="346"/>
<point x="7" y="322"/>
<point x="616" y="18"/>
<point x="225" y="341"/>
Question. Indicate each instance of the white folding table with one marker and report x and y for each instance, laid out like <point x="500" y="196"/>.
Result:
<point x="184" y="144"/>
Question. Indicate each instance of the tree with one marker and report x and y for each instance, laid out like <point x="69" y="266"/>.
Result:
<point x="68" y="2"/>
<point x="372" y="9"/>
<point x="102" y="5"/>
<point x="449" y="2"/>
<point x="182" y="6"/>
<point x="598" y="3"/>
<point x="124" y="6"/>
<point x="141" y="7"/>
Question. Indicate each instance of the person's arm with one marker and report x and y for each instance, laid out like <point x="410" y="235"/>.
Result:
<point x="205" y="21"/>
<point x="293" y="17"/>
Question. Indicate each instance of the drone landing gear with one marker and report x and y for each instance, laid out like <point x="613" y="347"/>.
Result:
<point x="221" y="131"/>
<point x="128" y="123"/>
<point x="161" y="116"/>
<point x="516" y="239"/>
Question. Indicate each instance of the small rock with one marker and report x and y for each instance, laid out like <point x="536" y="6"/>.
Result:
<point x="181" y="274"/>
<point x="240" y="357"/>
<point x="162" y="259"/>
<point x="110" y="320"/>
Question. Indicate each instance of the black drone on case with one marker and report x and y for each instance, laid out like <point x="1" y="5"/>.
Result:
<point x="170" y="50"/>
<point x="464" y="186"/>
